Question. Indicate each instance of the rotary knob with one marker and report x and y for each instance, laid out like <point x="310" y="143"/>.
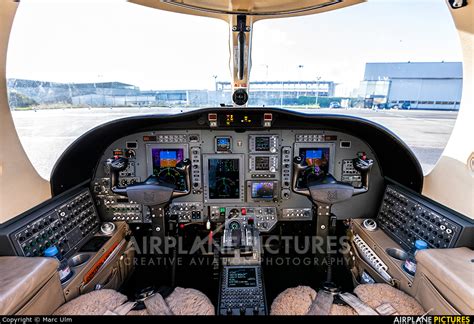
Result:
<point x="107" y="228"/>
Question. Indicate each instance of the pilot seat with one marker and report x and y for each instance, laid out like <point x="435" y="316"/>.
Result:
<point x="182" y="301"/>
<point x="372" y="299"/>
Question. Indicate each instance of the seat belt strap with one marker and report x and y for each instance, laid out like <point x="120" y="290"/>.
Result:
<point x="122" y="309"/>
<point x="358" y="305"/>
<point x="321" y="304"/>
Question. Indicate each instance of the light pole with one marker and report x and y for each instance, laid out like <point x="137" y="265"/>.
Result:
<point x="300" y="68"/>
<point x="317" y="89"/>
<point x="215" y="81"/>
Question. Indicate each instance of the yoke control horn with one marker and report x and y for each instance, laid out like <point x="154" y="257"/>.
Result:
<point x="324" y="190"/>
<point x="152" y="192"/>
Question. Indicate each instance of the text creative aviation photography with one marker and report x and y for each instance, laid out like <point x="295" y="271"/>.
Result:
<point x="236" y="158"/>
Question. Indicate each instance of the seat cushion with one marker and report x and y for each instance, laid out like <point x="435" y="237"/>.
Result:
<point x="298" y="300"/>
<point x="377" y="294"/>
<point x="187" y="301"/>
<point x="181" y="302"/>
<point x="97" y="302"/>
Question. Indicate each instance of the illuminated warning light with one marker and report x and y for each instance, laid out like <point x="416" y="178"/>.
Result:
<point x="148" y="138"/>
<point x="181" y="226"/>
<point x="118" y="152"/>
<point x="267" y="117"/>
<point x="212" y="117"/>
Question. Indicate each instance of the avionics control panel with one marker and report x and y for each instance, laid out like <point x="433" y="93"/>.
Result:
<point x="65" y="225"/>
<point x="264" y="218"/>
<point x="407" y="218"/>
<point x="243" y="170"/>
<point x="241" y="291"/>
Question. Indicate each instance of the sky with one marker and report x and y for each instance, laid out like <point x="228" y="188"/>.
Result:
<point x="112" y="40"/>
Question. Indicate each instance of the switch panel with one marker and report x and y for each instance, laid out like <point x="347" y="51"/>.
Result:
<point x="407" y="218"/>
<point x="64" y="226"/>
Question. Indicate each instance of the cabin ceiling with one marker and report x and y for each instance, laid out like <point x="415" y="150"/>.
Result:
<point x="259" y="9"/>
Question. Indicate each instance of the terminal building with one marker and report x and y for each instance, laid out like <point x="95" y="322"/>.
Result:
<point x="118" y="94"/>
<point x="420" y="85"/>
<point x="279" y="93"/>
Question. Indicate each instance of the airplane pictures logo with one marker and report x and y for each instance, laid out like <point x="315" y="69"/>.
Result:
<point x="430" y="319"/>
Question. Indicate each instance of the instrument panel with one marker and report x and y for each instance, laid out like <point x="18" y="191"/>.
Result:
<point x="231" y="170"/>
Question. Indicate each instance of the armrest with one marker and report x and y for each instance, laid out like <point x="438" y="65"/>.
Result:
<point x="22" y="278"/>
<point x="451" y="273"/>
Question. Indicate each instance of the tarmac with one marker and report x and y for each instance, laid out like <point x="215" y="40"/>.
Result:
<point x="45" y="134"/>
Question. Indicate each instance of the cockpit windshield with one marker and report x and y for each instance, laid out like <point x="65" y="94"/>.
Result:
<point x="73" y="65"/>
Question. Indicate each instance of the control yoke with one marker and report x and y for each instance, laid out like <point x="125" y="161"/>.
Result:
<point x="326" y="189"/>
<point x="152" y="191"/>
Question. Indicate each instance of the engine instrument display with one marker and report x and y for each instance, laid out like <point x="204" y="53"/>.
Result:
<point x="224" y="178"/>
<point x="241" y="277"/>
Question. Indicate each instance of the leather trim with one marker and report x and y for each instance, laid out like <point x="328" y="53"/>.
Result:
<point x="46" y="301"/>
<point x="21" y="278"/>
<point x="450" y="273"/>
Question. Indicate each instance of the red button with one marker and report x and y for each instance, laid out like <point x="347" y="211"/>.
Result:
<point x="243" y="211"/>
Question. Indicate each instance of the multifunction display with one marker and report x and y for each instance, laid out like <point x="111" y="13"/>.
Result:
<point x="241" y="277"/>
<point x="262" y="189"/>
<point x="224" y="178"/>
